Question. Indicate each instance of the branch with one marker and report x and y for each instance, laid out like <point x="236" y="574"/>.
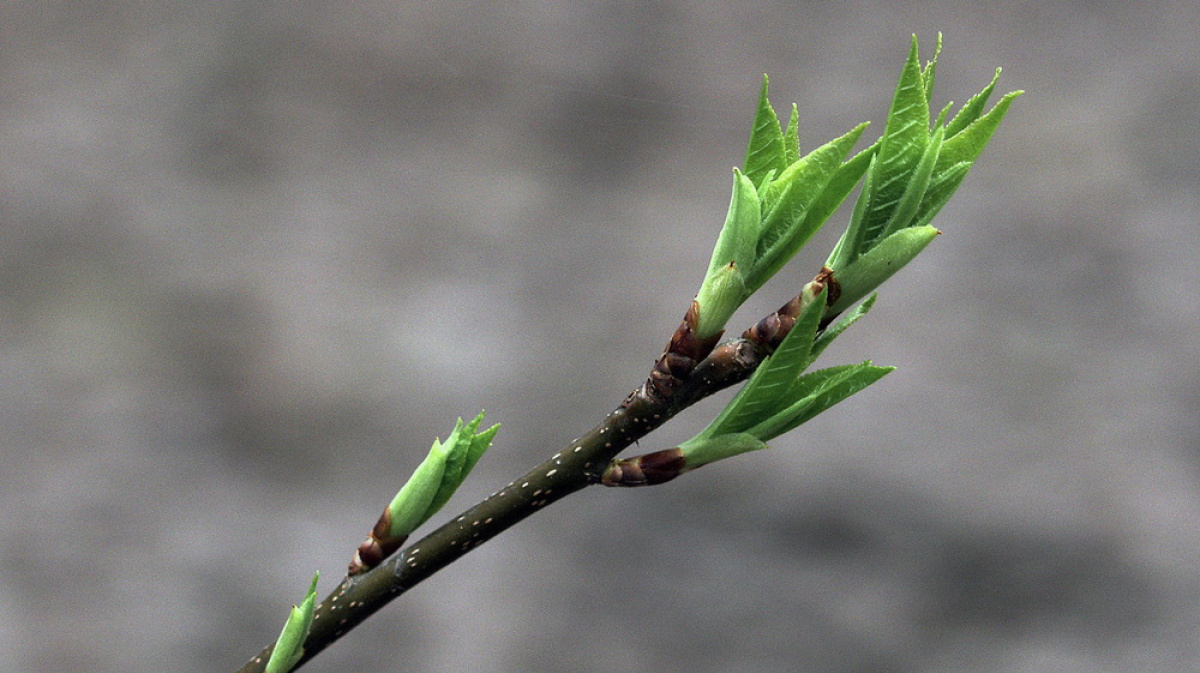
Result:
<point x="778" y="203"/>
<point x="580" y="464"/>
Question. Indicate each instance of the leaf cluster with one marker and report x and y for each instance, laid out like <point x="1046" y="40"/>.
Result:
<point x="780" y="198"/>
<point x="911" y="172"/>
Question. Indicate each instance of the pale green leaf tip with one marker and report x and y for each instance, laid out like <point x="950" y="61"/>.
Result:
<point x="438" y="476"/>
<point x="722" y="293"/>
<point x="724" y="287"/>
<point x="289" y="648"/>
<point x="468" y="446"/>
<point x="875" y="266"/>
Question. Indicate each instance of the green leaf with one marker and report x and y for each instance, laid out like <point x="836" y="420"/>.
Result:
<point x="765" y="151"/>
<point x="928" y="74"/>
<point x="940" y="189"/>
<point x="289" y="648"/>
<point x="791" y="138"/>
<point x="941" y="118"/>
<point x="739" y="236"/>
<point x="480" y="443"/>
<point x="834" y="389"/>
<point x="787" y="191"/>
<point x="972" y="109"/>
<point x="839" y="187"/>
<point x="767" y="390"/>
<point x="721" y="294"/>
<point x="454" y="449"/>
<point x="785" y="203"/>
<point x="879" y="263"/>
<point x="850" y="244"/>
<point x="957" y="156"/>
<point x="410" y="508"/>
<point x="903" y="145"/>
<point x="907" y="209"/>
<point x="814" y="393"/>
<point x="724" y="287"/>
<point x="463" y="449"/>
<point x="968" y="143"/>
<point x="764" y="390"/>
<point x="700" y="451"/>
<point x="832" y="332"/>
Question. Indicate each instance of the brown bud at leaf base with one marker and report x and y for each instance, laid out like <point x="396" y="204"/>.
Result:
<point x="378" y="546"/>
<point x="685" y="350"/>
<point x="826" y="280"/>
<point x="648" y="470"/>
<point x="771" y="330"/>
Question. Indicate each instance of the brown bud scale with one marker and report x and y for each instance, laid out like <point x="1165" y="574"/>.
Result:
<point x="646" y="470"/>
<point x="771" y="330"/>
<point x="378" y="545"/>
<point x="684" y="351"/>
<point x="825" y="277"/>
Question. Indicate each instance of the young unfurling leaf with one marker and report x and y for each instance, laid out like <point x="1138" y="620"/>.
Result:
<point x="766" y="150"/>
<point x="425" y="492"/>
<point x="290" y="645"/>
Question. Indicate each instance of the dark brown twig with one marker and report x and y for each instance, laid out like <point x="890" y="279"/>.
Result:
<point x="674" y="385"/>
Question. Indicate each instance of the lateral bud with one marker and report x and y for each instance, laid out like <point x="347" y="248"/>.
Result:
<point x="771" y="330"/>
<point x="378" y="545"/>
<point x="684" y="351"/>
<point x="646" y="470"/>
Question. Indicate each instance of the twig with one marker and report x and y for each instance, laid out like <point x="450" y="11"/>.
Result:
<point x="579" y="465"/>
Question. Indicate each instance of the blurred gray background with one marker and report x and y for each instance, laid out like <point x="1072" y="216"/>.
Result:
<point x="255" y="256"/>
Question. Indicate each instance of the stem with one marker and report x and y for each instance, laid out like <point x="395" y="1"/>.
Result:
<point x="579" y="465"/>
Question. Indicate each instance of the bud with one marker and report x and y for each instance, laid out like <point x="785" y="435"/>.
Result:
<point x="290" y="645"/>
<point x="724" y="288"/>
<point x="425" y="492"/>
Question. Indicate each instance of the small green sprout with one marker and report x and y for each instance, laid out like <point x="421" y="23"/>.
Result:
<point x="776" y="207"/>
<point x="425" y="492"/>
<point x="779" y="396"/>
<point x="290" y="646"/>
<point x="779" y="201"/>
